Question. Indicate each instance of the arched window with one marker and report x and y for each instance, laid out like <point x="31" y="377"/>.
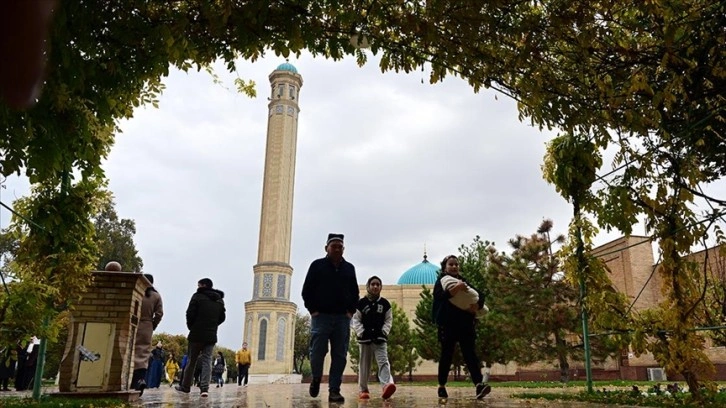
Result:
<point x="248" y="329"/>
<point x="281" y="326"/>
<point x="263" y="340"/>
<point x="281" y="286"/>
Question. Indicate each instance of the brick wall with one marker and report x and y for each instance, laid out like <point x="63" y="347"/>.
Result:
<point x="114" y="298"/>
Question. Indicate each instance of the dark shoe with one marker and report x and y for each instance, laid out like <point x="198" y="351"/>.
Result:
<point x="482" y="390"/>
<point x="335" y="396"/>
<point x="141" y="387"/>
<point x="138" y="375"/>
<point x="315" y="387"/>
<point x="217" y="385"/>
<point x="182" y="389"/>
<point x="443" y="393"/>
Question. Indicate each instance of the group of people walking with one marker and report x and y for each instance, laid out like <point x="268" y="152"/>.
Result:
<point x="330" y="294"/>
<point x="206" y="311"/>
<point x="150" y="315"/>
<point x="18" y="365"/>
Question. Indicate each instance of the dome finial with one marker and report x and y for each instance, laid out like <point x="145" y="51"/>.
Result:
<point x="425" y="256"/>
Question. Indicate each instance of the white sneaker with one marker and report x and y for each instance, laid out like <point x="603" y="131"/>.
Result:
<point x="205" y="394"/>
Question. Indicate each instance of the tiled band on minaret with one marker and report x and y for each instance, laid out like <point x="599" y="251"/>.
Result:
<point x="269" y="327"/>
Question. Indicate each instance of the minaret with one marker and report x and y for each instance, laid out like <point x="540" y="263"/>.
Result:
<point x="269" y="327"/>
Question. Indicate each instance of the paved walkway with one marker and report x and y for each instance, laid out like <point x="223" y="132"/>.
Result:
<point x="296" y="396"/>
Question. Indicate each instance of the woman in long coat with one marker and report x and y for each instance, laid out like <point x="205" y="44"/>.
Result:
<point x="156" y="367"/>
<point x="152" y="310"/>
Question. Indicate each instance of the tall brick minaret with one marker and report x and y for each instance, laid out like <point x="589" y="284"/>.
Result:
<point x="269" y="326"/>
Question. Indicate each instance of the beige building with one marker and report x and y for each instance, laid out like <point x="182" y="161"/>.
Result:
<point x="269" y="325"/>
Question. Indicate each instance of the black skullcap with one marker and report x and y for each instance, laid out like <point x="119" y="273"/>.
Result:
<point x="334" y="237"/>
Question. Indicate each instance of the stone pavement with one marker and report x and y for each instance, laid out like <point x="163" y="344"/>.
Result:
<point x="296" y="396"/>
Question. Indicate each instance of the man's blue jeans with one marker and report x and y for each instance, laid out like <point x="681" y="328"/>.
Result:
<point x="334" y="328"/>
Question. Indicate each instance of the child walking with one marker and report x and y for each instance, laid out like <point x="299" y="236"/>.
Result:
<point x="372" y="323"/>
<point x="172" y="367"/>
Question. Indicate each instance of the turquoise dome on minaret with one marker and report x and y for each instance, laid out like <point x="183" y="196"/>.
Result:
<point x="286" y="66"/>
<point x="424" y="273"/>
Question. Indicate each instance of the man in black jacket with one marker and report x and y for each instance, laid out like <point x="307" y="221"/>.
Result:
<point x="330" y="293"/>
<point x="205" y="313"/>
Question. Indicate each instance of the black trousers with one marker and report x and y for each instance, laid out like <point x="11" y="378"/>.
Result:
<point x="465" y="336"/>
<point x="244" y="371"/>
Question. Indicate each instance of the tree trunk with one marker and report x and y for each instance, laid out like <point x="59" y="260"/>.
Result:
<point x="562" y="357"/>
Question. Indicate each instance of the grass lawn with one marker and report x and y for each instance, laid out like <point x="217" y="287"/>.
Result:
<point x="648" y="394"/>
<point x="541" y="384"/>
<point x="55" y="402"/>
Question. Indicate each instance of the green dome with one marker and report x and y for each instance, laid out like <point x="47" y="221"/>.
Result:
<point x="286" y="66"/>
<point x="424" y="273"/>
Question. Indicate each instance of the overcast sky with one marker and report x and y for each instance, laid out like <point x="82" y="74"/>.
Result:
<point x="392" y="163"/>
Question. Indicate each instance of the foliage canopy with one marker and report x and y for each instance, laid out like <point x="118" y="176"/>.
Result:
<point x="646" y="76"/>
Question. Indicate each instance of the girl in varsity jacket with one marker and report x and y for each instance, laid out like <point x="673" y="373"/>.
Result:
<point x="372" y="323"/>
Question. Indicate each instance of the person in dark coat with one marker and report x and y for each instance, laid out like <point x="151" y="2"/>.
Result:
<point x="331" y="294"/>
<point x="456" y="326"/>
<point x="27" y="361"/>
<point x="22" y="354"/>
<point x="204" y="315"/>
<point x="156" y="367"/>
<point x="8" y="359"/>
